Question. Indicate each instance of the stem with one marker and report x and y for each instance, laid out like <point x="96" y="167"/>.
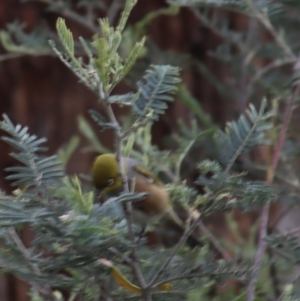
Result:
<point x="137" y="124"/>
<point x="80" y="20"/>
<point x="46" y="290"/>
<point x="191" y="276"/>
<point x="264" y="20"/>
<point x="273" y="65"/>
<point x="65" y="12"/>
<point x="214" y="242"/>
<point x="247" y="56"/>
<point x="265" y="211"/>
<point x="273" y="274"/>
<point x="114" y="9"/>
<point x="293" y="280"/>
<point x="294" y="231"/>
<point x="182" y="240"/>
<point x="217" y="32"/>
<point x="128" y="209"/>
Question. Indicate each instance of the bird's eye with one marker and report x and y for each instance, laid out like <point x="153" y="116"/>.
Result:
<point x="110" y="182"/>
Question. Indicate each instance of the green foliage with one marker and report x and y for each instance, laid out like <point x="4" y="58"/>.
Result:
<point x="72" y="231"/>
<point x="235" y="5"/>
<point x="107" y="67"/>
<point x="288" y="294"/>
<point x="242" y="135"/>
<point x="186" y="139"/>
<point x="37" y="171"/>
<point x="181" y="194"/>
<point x="286" y="246"/>
<point x="106" y="70"/>
<point x="225" y="192"/>
<point x="155" y="90"/>
<point x="239" y="6"/>
<point x="71" y="191"/>
<point x="14" y="39"/>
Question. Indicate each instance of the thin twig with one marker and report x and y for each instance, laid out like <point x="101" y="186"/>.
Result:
<point x="265" y="211"/>
<point x="293" y="280"/>
<point x="273" y="274"/>
<point x="182" y="240"/>
<point x="214" y="242"/>
<point x="80" y="20"/>
<point x="46" y="290"/>
<point x="169" y="174"/>
<point x="106" y="291"/>
<point x="281" y="216"/>
<point x="175" y="179"/>
<point x="262" y="71"/>
<point x="191" y="276"/>
<point x="217" y="32"/>
<point x="13" y="55"/>
<point x="202" y="227"/>
<point x="294" y="231"/>
<point x="137" y="124"/>
<point x="121" y="255"/>
<point x="114" y="8"/>
<point x="128" y="212"/>
<point x="273" y="65"/>
<point x="277" y="150"/>
<point x="264" y="20"/>
<point x="246" y="54"/>
<point x="65" y="12"/>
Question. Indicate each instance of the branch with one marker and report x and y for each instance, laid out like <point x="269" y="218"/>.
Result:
<point x="46" y="290"/>
<point x="217" y="32"/>
<point x="265" y="211"/>
<point x="121" y="255"/>
<point x="246" y="59"/>
<point x="182" y="240"/>
<point x="114" y="8"/>
<point x="191" y="276"/>
<point x="273" y="65"/>
<point x="13" y="55"/>
<point x="215" y="242"/>
<point x="68" y="13"/>
<point x="128" y="211"/>
<point x="80" y="20"/>
<point x="293" y="280"/>
<point x="264" y="20"/>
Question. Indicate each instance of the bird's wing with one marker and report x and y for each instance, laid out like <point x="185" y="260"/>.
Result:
<point x="156" y="203"/>
<point x="133" y="166"/>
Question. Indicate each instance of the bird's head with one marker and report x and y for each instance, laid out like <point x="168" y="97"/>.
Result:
<point x="106" y="175"/>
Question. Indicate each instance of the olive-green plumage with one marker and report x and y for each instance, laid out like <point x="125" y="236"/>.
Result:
<point x="154" y="209"/>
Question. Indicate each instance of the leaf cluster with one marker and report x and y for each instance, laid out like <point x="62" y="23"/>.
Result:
<point x="72" y="231"/>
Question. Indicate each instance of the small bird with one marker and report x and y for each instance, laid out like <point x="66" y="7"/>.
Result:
<point x="155" y="209"/>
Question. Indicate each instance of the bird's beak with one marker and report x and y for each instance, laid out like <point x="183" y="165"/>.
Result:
<point x="97" y="194"/>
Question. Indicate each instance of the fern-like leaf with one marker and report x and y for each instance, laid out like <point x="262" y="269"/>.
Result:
<point x="241" y="194"/>
<point x="236" y="5"/>
<point x="37" y="171"/>
<point x="239" y="6"/>
<point x="157" y="87"/>
<point x="131" y="59"/>
<point x="65" y="36"/>
<point x="125" y="14"/>
<point x="242" y="135"/>
<point x="285" y="245"/>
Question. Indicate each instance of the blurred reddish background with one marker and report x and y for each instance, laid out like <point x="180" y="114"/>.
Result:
<point x="43" y="94"/>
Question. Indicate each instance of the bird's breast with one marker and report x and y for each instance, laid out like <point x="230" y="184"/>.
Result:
<point x="153" y="207"/>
